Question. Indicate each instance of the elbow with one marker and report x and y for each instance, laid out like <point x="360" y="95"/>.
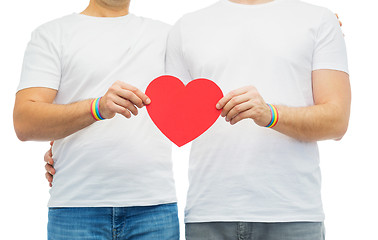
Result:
<point x="341" y="123"/>
<point x="21" y="133"/>
<point x="22" y="138"/>
<point x="21" y="128"/>
<point x="340" y="131"/>
<point x="19" y="125"/>
<point x="339" y="136"/>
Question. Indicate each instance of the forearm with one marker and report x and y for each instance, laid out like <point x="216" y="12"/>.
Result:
<point x="37" y="118"/>
<point x="47" y="121"/>
<point x="328" y="118"/>
<point x="314" y="123"/>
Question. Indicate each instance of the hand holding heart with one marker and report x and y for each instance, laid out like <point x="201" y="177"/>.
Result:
<point x="243" y="103"/>
<point x="124" y="99"/>
<point x="182" y="113"/>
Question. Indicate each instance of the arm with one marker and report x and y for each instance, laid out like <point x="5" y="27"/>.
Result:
<point x="37" y="118"/>
<point x="327" y="119"/>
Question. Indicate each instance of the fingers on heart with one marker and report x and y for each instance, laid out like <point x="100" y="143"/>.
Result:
<point x="241" y="116"/>
<point x="238" y="109"/>
<point x="126" y="104"/>
<point x="234" y="102"/>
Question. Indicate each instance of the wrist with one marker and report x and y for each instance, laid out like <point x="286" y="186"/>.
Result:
<point x="95" y="109"/>
<point x="274" y="116"/>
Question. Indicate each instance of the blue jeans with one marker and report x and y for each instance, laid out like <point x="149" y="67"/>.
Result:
<point x="110" y="223"/>
<point x="255" y="231"/>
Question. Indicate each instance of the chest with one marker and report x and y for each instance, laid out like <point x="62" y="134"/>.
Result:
<point x="93" y="60"/>
<point x="260" y="42"/>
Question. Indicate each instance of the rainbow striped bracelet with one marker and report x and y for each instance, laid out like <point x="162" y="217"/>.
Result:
<point x="95" y="109"/>
<point x="275" y="116"/>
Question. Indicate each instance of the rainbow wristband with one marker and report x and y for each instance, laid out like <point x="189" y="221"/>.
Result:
<point x="95" y="109"/>
<point x="275" y="116"/>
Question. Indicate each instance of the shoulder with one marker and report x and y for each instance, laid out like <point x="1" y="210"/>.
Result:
<point x="154" y="26"/>
<point x="53" y="28"/>
<point x="197" y="20"/>
<point x="203" y="14"/>
<point x="303" y="5"/>
<point x="309" y="14"/>
<point x="321" y="16"/>
<point x="308" y="9"/>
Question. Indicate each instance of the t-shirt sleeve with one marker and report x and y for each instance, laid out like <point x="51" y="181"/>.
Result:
<point x="41" y="66"/>
<point x="330" y="49"/>
<point x="175" y="64"/>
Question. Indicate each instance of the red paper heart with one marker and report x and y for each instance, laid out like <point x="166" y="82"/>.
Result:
<point x="183" y="113"/>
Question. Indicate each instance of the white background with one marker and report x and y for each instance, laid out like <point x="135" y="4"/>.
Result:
<point x="349" y="167"/>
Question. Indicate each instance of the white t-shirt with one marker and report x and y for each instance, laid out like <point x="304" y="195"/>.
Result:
<point x="246" y="172"/>
<point x="116" y="162"/>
